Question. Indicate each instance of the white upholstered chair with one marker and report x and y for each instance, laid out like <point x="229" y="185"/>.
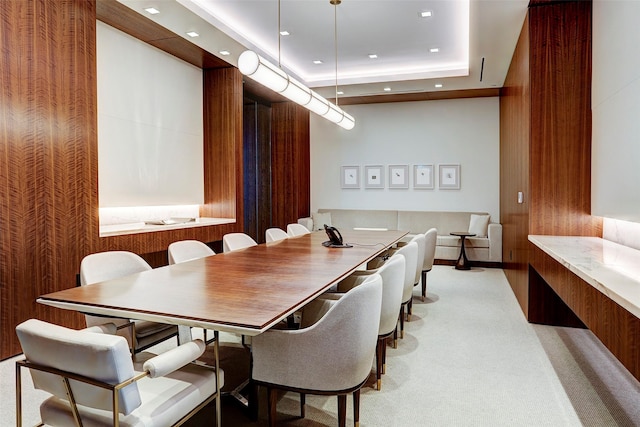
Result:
<point x="431" y="237"/>
<point x="236" y="241"/>
<point x="102" y="266"/>
<point x="91" y="375"/>
<point x="331" y="354"/>
<point x="410" y="254"/>
<point x="295" y="229"/>
<point x="408" y="297"/>
<point x="187" y="250"/>
<point x="392" y="273"/>
<point x="275" y="234"/>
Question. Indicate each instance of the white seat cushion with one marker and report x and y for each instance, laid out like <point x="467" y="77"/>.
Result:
<point x="164" y="399"/>
<point x="454" y="241"/>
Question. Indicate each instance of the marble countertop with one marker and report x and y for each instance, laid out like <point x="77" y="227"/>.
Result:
<point x="611" y="268"/>
<point x="142" y="227"/>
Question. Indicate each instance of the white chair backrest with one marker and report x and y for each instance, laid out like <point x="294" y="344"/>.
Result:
<point x="275" y="234"/>
<point x="410" y="253"/>
<point x="353" y="319"/>
<point x="431" y="238"/>
<point x="109" y="265"/>
<point x="236" y="241"/>
<point x="421" y="241"/>
<point x="103" y="266"/>
<point x="295" y="229"/>
<point x="393" y="274"/>
<point x="100" y="356"/>
<point x="186" y="250"/>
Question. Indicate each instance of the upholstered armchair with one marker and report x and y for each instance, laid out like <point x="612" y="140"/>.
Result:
<point x="431" y="238"/>
<point x="410" y="253"/>
<point x="331" y="354"/>
<point x="187" y="250"/>
<point x="93" y="380"/>
<point x="393" y="279"/>
<point x="294" y="230"/>
<point x="103" y="266"/>
<point x="236" y="241"/>
<point x="275" y="234"/>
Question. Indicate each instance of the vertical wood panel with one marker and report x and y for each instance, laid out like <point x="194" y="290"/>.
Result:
<point x="290" y="186"/>
<point x="561" y="120"/>
<point x="223" y="144"/>
<point x="48" y="152"/>
<point x="546" y="135"/>
<point x="515" y="125"/>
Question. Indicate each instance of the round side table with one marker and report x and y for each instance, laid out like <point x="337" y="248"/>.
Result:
<point x="463" y="262"/>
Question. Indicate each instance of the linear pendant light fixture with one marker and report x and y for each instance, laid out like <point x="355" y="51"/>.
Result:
<point x="262" y="71"/>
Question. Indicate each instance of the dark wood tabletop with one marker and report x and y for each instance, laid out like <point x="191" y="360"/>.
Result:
<point x="245" y="291"/>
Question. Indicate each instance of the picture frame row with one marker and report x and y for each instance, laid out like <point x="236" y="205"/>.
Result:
<point x="398" y="176"/>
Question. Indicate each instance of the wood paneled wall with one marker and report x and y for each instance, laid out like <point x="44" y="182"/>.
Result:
<point x="290" y="164"/>
<point x="48" y="157"/>
<point x="515" y="125"/>
<point x="48" y="153"/>
<point x="545" y="140"/>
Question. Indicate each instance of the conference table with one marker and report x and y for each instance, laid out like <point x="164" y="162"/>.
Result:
<point x="246" y="291"/>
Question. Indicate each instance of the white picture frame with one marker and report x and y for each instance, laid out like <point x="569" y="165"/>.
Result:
<point x="423" y="177"/>
<point x="374" y="176"/>
<point x="398" y="176"/>
<point x="350" y="176"/>
<point x="449" y="177"/>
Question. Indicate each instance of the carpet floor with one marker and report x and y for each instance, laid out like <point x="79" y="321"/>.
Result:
<point x="468" y="358"/>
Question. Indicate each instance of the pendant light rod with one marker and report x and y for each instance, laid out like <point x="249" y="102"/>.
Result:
<point x="273" y="77"/>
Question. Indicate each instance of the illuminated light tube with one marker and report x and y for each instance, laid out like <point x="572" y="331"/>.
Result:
<point x="257" y="68"/>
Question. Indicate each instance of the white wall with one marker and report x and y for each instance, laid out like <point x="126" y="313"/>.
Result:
<point x="616" y="110"/>
<point x="462" y="131"/>
<point x="150" y="124"/>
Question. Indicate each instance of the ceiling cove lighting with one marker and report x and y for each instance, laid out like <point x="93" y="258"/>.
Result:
<point x="273" y="77"/>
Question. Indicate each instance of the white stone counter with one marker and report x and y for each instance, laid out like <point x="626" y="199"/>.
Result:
<point x="142" y="227"/>
<point x="611" y="268"/>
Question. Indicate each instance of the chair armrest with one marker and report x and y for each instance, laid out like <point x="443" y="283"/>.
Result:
<point x="174" y="359"/>
<point x="307" y="222"/>
<point x="317" y="308"/>
<point x="353" y="280"/>
<point x="107" y="328"/>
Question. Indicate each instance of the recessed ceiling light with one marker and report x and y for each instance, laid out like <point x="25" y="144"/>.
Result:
<point x="152" y="10"/>
<point x="373" y="56"/>
<point x="426" y="14"/>
<point x="317" y="62"/>
<point x="387" y="89"/>
<point x="434" y="50"/>
<point x="192" y="34"/>
<point x="225" y="52"/>
<point x="284" y="33"/>
<point x="340" y="92"/>
<point x="438" y="85"/>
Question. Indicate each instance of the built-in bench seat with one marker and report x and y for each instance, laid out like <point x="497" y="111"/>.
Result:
<point x="486" y="247"/>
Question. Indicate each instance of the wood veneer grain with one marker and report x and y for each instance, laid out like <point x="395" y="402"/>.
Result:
<point x="48" y="152"/>
<point x="515" y="125"/>
<point x="290" y="164"/>
<point x="618" y="329"/>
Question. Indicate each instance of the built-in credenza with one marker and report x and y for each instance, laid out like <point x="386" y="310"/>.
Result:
<point x="591" y="282"/>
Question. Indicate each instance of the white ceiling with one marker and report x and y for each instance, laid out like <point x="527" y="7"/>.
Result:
<point x="464" y="31"/>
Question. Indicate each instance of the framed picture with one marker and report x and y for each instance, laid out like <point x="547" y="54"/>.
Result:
<point x="350" y="176"/>
<point x="398" y="176"/>
<point x="374" y="176"/>
<point x="449" y="177"/>
<point x="423" y="177"/>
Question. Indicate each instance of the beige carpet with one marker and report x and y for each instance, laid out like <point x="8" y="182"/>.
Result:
<point x="469" y="358"/>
